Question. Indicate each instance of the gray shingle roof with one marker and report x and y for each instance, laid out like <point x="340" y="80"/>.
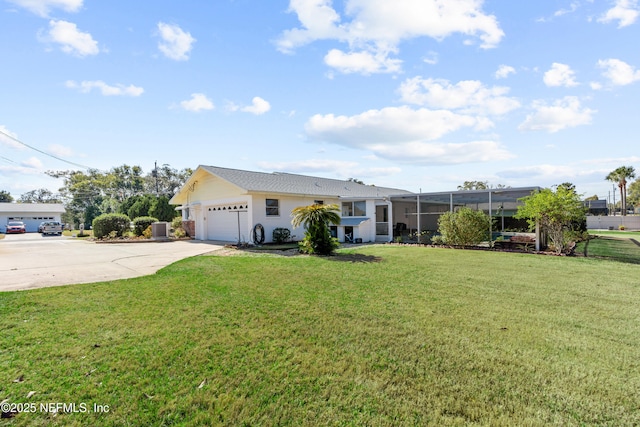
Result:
<point x="286" y="183"/>
<point x="32" y="208"/>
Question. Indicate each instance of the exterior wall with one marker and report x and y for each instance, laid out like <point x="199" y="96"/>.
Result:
<point x="286" y="205"/>
<point x="210" y="187"/>
<point x="630" y="222"/>
<point x="31" y="220"/>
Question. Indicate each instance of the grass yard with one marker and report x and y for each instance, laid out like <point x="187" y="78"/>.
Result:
<point x="385" y="336"/>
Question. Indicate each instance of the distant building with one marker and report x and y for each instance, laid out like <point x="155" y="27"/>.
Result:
<point x="32" y="214"/>
<point x="596" y="207"/>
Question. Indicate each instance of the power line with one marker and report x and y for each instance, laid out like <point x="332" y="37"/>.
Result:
<point x="43" y="152"/>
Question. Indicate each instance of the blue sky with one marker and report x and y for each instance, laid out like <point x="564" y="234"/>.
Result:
<point x="412" y="94"/>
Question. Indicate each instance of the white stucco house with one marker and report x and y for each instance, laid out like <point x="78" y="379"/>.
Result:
<point x="32" y="214"/>
<point x="227" y="204"/>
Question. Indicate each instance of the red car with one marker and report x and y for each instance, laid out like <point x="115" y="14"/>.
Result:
<point x="16" y="227"/>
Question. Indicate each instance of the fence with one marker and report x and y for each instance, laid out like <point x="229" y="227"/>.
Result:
<point x="613" y="222"/>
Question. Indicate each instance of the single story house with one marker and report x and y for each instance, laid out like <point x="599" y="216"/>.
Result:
<point x="227" y="204"/>
<point x="32" y="214"/>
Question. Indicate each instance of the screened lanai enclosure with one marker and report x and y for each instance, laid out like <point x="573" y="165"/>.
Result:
<point x="415" y="215"/>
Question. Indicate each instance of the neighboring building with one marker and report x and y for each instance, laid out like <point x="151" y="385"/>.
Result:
<point x="32" y="214"/>
<point x="226" y="204"/>
<point x="596" y="207"/>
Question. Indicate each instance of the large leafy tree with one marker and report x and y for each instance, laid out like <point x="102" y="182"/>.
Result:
<point x="316" y="219"/>
<point x="620" y="176"/>
<point x="41" y="195"/>
<point x="555" y="211"/>
<point x="478" y="185"/>
<point x="474" y="185"/>
<point x="634" y="193"/>
<point x="161" y="209"/>
<point x="165" y="180"/>
<point x="5" y="197"/>
<point x="87" y="194"/>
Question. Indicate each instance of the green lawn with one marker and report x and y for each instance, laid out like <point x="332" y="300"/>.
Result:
<point x="385" y="336"/>
<point x="613" y="245"/>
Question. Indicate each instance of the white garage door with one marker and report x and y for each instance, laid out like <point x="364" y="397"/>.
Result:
<point x="222" y="222"/>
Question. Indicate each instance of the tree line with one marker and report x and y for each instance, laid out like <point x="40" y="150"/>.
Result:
<point x="123" y="189"/>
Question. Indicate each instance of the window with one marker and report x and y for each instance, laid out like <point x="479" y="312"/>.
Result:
<point x="273" y="207"/>
<point x="318" y="202"/>
<point x="354" y="208"/>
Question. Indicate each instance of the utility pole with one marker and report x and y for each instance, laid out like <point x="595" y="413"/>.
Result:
<point x="155" y="174"/>
<point x="614" y="200"/>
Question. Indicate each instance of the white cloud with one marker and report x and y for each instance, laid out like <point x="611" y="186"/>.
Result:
<point x="560" y="75"/>
<point x="198" y="102"/>
<point x="175" y="43"/>
<point x="431" y="59"/>
<point x="443" y="153"/>
<point x="60" y="150"/>
<point x="7" y="141"/>
<point x="310" y="166"/>
<point x="563" y="113"/>
<point x="625" y="12"/>
<point x="504" y="71"/>
<point x="405" y="134"/>
<point x="258" y="106"/>
<point x="42" y="7"/>
<point x="572" y="8"/>
<point x="72" y="40"/>
<point x="468" y="96"/>
<point x="105" y="89"/>
<point x="362" y="62"/>
<point x="339" y="168"/>
<point x="387" y="125"/>
<point x="619" y="72"/>
<point x="32" y="163"/>
<point x="377" y="27"/>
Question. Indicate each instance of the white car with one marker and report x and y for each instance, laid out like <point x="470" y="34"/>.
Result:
<point x="51" y="227"/>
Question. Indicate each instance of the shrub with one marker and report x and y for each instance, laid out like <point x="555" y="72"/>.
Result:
<point x="141" y="223"/>
<point x="317" y="240"/>
<point x="466" y="227"/>
<point x="147" y="233"/>
<point x="178" y="230"/>
<point x="107" y="224"/>
<point x="281" y="235"/>
<point x="141" y="206"/>
<point x="176" y="222"/>
<point x="437" y="240"/>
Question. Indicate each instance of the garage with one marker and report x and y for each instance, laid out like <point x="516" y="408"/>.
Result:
<point x="225" y="221"/>
<point x="32" y="214"/>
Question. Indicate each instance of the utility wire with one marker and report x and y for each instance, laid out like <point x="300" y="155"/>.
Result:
<point x="43" y="152"/>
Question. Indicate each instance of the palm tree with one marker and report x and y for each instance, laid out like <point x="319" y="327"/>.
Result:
<point x="316" y="220"/>
<point x="620" y="177"/>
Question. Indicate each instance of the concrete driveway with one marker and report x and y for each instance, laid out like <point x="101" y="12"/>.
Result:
<point x="29" y="261"/>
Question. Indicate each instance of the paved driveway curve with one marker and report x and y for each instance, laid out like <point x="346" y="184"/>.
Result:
<point x="30" y="261"/>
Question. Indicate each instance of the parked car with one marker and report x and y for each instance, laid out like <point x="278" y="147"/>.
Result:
<point x="16" y="227"/>
<point x="41" y="226"/>
<point x="51" y="227"/>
